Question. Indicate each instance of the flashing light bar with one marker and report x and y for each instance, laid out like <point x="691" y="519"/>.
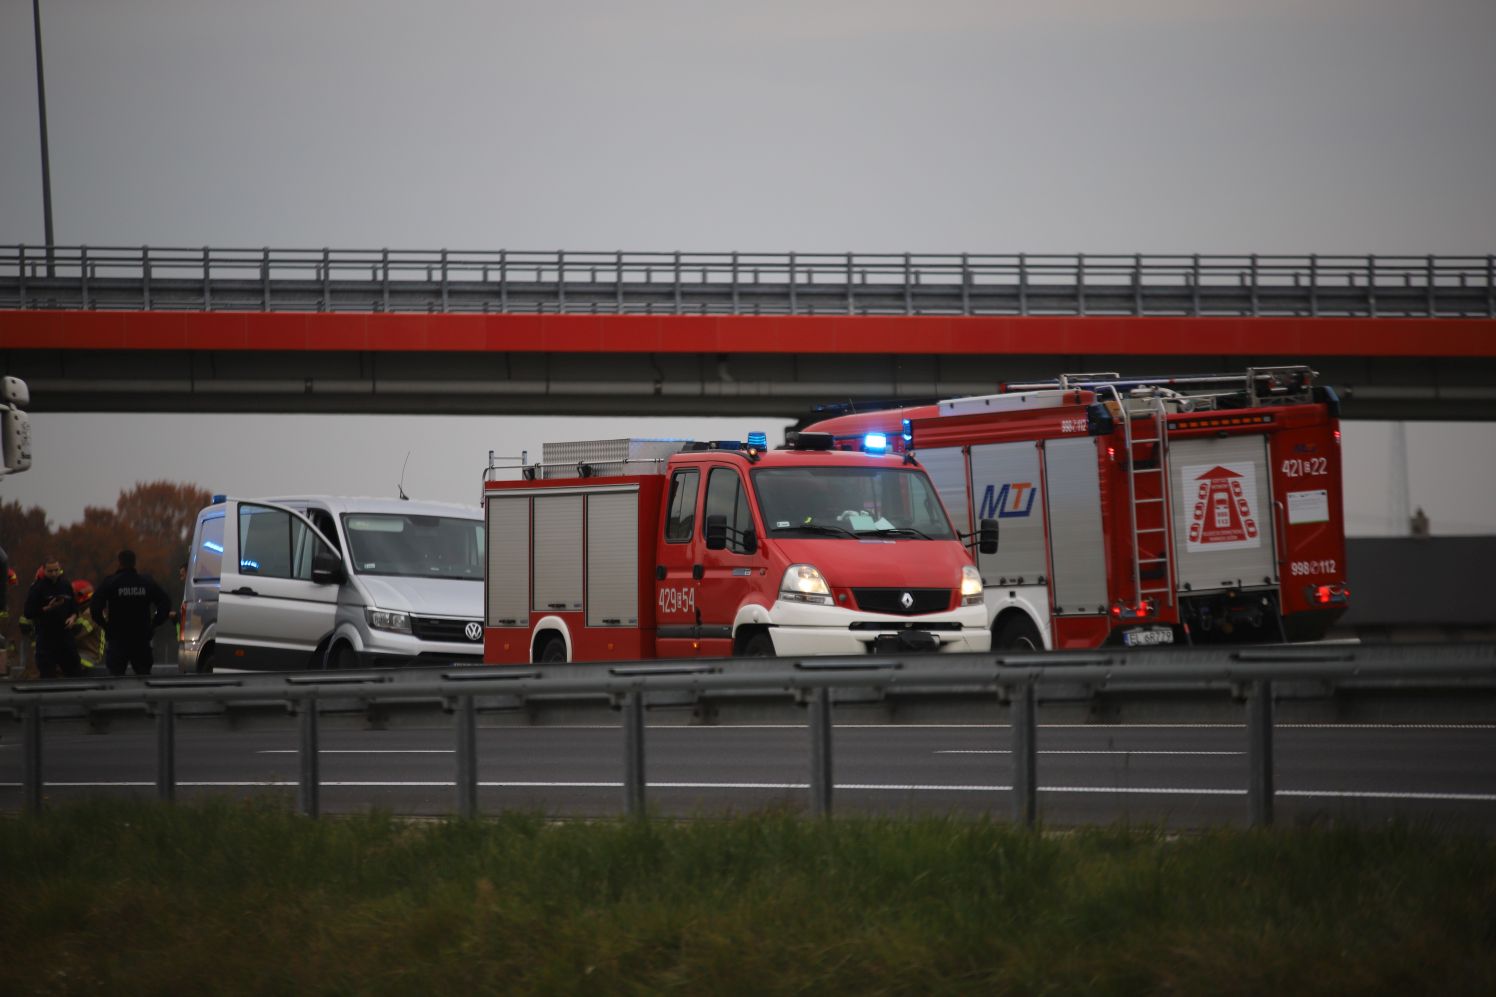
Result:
<point x="875" y="443"/>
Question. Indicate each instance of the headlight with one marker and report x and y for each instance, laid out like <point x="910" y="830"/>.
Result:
<point x="803" y="583"/>
<point x="389" y="619"/>
<point x="971" y="586"/>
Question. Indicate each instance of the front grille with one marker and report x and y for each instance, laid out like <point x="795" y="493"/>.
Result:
<point x="892" y="601"/>
<point x="436" y="628"/>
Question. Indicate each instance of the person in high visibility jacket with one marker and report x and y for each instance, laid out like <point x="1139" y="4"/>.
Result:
<point x="88" y="635"/>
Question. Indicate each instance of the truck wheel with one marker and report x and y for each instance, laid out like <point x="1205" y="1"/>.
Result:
<point x="553" y="651"/>
<point x="760" y="645"/>
<point x="1018" y="634"/>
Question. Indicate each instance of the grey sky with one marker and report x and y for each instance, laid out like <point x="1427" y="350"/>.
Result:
<point x="1338" y="126"/>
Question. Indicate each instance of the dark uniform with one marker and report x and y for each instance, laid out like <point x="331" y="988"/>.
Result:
<point x="49" y="610"/>
<point x="130" y="606"/>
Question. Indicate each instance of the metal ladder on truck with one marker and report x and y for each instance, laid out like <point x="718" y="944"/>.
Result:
<point x="1158" y="415"/>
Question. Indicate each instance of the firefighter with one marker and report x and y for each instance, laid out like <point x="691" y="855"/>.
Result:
<point x="49" y="616"/>
<point x="130" y="606"/>
<point x="87" y="634"/>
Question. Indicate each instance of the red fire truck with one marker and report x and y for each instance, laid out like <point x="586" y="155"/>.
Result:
<point x="1143" y="510"/>
<point x="632" y="549"/>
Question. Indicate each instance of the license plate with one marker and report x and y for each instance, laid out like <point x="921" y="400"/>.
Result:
<point x="1149" y="637"/>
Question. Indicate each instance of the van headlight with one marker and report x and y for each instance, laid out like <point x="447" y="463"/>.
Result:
<point x="971" y="586"/>
<point x="389" y="619"/>
<point x="803" y="583"/>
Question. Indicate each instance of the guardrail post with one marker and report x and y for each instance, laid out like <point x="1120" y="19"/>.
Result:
<point x="309" y="800"/>
<point x="467" y="757"/>
<point x="1021" y="709"/>
<point x="633" y="753"/>
<point x="31" y="762"/>
<point x="166" y="752"/>
<point x="820" y="752"/>
<point x="207" y="282"/>
<point x="1260" y="753"/>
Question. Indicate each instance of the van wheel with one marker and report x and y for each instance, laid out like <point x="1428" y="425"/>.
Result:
<point x="1018" y="634"/>
<point x="552" y="652"/>
<point x="340" y="658"/>
<point x="205" y="661"/>
<point x="760" y="645"/>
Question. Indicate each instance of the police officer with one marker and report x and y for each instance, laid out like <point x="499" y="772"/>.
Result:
<point x="49" y="614"/>
<point x="130" y="606"/>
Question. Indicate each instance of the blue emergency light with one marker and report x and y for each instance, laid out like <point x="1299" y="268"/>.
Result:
<point x="758" y="440"/>
<point x="908" y="433"/>
<point x="875" y="442"/>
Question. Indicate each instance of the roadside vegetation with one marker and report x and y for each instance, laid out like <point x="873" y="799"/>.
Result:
<point x="226" y="897"/>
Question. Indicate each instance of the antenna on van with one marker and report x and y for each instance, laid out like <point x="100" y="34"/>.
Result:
<point x="400" y="488"/>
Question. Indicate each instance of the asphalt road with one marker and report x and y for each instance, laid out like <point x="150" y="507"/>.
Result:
<point x="1174" y="775"/>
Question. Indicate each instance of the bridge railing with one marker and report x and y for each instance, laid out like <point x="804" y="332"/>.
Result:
<point x="742" y="283"/>
<point x="1015" y="679"/>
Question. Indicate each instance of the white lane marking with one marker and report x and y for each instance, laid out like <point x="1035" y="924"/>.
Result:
<point x="360" y="751"/>
<point x="1114" y="751"/>
<point x="865" y="787"/>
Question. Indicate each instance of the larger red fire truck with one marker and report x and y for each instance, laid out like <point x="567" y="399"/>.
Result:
<point x="632" y="549"/>
<point x="1145" y="510"/>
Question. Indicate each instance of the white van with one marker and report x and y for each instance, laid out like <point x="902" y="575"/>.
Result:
<point x="331" y="582"/>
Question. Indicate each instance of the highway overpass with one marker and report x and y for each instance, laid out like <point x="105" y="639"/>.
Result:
<point x="355" y="331"/>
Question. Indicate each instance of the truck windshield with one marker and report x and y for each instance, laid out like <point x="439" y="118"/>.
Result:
<point x="414" y="546"/>
<point x="895" y="502"/>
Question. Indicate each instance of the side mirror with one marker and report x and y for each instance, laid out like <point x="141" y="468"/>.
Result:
<point x="327" y="569"/>
<point x="749" y="540"/>
<point x="716" y="532"/>
<point x="987" y="536"/>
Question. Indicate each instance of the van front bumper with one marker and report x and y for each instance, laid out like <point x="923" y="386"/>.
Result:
<point x="800" y="629"/>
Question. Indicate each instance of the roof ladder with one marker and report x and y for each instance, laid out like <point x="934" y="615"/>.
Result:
<point x="1159" y="534"/>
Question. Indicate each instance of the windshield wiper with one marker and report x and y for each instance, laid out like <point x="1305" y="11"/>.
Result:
<point x="894" y="531"/>
<point x="828" y="530"/>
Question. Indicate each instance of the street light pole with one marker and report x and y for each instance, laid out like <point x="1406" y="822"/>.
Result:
<point x="41" y="102"/>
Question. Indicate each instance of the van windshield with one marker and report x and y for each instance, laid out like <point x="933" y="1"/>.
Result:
<point x="856" y="502"/>
<point x="414" y="546"/>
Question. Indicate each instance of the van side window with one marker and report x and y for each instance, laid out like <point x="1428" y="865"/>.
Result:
<point x="275" y="544"/>
<point x="682" y="517"/>
<point x="725" y="497"/>
<point x="322" y="520"/>
<point x="207" y="555"/>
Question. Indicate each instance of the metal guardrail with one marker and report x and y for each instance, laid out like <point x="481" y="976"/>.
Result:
<point x="1014" y="678"/>
<point x="736" y="283"/>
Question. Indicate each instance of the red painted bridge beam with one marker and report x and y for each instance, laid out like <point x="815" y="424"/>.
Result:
<point x="770" y="334"/>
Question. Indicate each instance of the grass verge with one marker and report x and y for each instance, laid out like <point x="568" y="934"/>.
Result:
<point x="225" y="897"/>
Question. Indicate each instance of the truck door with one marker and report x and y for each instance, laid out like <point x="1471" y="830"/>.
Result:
<point x="271" y="613"/>
<point x="1223" y="527"/>
<point x="678" y="568"/>
<point x="730" y="575"/>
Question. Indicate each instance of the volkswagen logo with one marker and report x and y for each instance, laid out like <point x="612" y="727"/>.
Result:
<point x="473" y="631"/>
<point x="906" y="600"/>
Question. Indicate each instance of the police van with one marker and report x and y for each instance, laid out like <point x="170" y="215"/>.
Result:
<point x="311" y="582"/>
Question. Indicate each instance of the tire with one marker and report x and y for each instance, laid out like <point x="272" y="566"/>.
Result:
<point x="340" y="658"/>
<point x="205" y="661"/>
<point x="1018" y="634"/>
<point x="552" y="652"/>
<point x="760" y="645"/>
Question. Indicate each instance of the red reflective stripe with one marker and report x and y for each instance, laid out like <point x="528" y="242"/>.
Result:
<point x="872" y="334"/>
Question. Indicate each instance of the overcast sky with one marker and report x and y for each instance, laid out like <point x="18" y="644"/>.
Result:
<point x="1336" y="126"/>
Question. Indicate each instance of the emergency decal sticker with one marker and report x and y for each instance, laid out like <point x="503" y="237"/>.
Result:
<point x="1014" y="500"/>
<point x="1224" y="509"/>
